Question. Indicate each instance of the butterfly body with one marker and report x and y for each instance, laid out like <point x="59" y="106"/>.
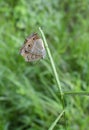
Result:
<point x="33" y="48"/>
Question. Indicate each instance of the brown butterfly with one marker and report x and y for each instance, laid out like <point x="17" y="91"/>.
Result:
<point x="33" y="48"/>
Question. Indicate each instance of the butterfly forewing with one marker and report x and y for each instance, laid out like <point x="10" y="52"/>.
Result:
<point x="38" y="48"/>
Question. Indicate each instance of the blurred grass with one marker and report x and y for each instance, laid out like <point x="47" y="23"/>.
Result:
<point x="29" y="99"/>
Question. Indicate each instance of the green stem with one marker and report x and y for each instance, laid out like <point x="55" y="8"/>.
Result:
<point x="52" y="63"/>
<point x="54" y="71"/>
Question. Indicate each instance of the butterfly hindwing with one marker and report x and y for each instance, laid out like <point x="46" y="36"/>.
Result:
<point x="32" y="57"/>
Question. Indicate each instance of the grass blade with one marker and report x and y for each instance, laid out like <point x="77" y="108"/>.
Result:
<point x="55" y="122"/>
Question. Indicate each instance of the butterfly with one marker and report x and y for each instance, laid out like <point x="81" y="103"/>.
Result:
<point x="33" y="48"/>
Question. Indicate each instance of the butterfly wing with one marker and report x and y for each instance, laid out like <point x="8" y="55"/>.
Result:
<point x="33" y="48"/>
<point x="38" y="48"/>
<point x="32" y="57"/>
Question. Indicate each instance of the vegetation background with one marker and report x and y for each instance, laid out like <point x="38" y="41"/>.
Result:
<point x="29" y="98"/>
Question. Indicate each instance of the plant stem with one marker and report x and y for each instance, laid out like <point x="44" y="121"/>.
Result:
<point x="54" y="71"/>
<point x="52" y="63"/>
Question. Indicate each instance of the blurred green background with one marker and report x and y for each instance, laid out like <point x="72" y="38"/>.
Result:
<point x="29" y="98"/>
